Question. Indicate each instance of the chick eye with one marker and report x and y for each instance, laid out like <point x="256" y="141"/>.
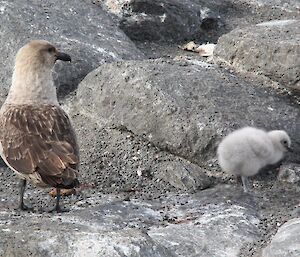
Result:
<point x="50" y="49"/>
<point x="284" y="142"/>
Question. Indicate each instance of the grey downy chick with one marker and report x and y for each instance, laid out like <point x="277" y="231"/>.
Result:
<point x="245" y="151"/>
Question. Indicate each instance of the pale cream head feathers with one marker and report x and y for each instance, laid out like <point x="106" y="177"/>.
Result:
<point x="32" y="77"/>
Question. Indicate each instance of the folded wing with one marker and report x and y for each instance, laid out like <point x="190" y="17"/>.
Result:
<point x="40" y="139"/>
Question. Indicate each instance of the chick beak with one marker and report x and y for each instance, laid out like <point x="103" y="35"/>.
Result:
<point x="63" y="57"/>
<point x="290" y="149"/>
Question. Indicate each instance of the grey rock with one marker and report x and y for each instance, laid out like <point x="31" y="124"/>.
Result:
<point x="182" y="175"/>
<point x="221" y="231"/>
<point x="95" y="226"/>
<point x="82" y="29"/>
<point x="118" y="161"/>
<point x="106" y="226"/>
<point x="289" y="173"/>
<point x="163" y="20"/>
<point x="181" y="107"/>
<point x="288" y="5"/>
<point x="142" y="19"/>
<point x="271" y="49"/>
<point x="83" y="241"/>
<point x="208" y="226"/>
<point x="286" y="242"/>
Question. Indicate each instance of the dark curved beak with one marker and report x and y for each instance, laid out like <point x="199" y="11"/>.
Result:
<point x="63" y="57"/>
<point x="290" y="149"/>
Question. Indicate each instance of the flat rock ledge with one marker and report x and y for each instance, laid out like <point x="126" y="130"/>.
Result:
<point x="178" y="225"/>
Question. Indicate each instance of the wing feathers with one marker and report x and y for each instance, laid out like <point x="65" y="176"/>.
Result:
<point x="22" y="165"/>
<point x="40" y="139"/>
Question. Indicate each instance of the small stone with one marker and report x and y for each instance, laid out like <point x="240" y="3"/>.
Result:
<point x="289" y="173"/>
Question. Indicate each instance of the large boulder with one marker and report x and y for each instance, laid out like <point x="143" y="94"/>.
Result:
<point x="180" y="107"/>
<point x="200" y="20"/>
<point x="163" y="20"/>
<point x="270" y="48"/>
<point x="81" y="29"/>
<point x="116" y="160"/>
<point x="286" y="242"/>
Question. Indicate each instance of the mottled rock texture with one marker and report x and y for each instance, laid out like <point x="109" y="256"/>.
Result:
<point x="81" y="29"/>
<point x="271" y="49"/>
<point x="288" y="5"/>
<point x="184" y="108"/>
<point x="165" y="20"/>
<point x="106" y="226"/>
<point x="289" y="173"/>
<point x="286" y="242"/>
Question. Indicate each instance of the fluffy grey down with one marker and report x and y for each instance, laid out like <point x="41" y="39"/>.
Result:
<point x="245" y="151"/>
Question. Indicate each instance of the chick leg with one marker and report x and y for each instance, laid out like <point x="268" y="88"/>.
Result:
<point x="245" y="182"/>
<point x="22" y="206"/>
